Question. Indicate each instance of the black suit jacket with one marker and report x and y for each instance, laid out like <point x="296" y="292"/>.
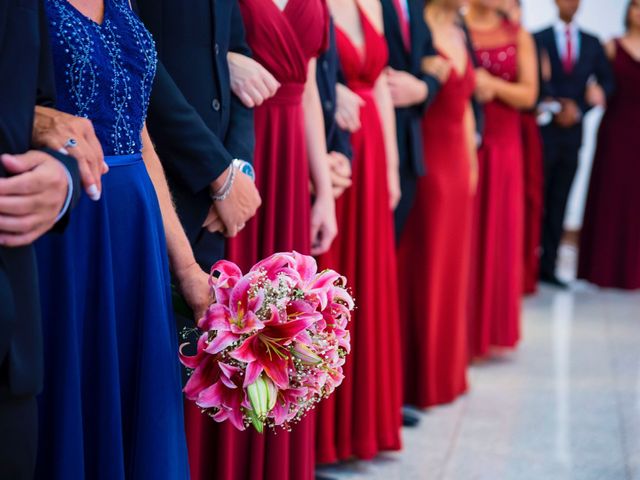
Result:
<point x="328" y="74"/>
<point x="592" y="62"/>
<point x="408" y="119"/>
<point x="196" y="123"/>
<point x="26" y="77"/>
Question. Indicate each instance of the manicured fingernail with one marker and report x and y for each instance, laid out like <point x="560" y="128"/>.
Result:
<point x="63" y="151"/>
<point x="94" y="193"/>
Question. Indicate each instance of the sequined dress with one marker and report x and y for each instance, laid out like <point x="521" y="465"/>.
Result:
<point x="111" y="406"/>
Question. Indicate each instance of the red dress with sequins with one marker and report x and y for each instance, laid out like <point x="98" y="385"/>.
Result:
<point x="497" y="245"/>
<point x="283" y="41"/>
<point x="363" y="417"/>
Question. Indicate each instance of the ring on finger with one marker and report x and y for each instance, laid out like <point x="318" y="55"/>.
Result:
<point x="71" y="143"/>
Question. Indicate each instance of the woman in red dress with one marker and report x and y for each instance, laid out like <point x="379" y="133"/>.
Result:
<point x="507" y="83"/>
<point x="434" y="250"/>
<point x="610" y="241"/>
<point x="364" y="415"/>
<point x="285" y="36"/>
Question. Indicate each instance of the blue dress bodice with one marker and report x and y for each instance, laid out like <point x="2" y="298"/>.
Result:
<point x="104" y="72"/>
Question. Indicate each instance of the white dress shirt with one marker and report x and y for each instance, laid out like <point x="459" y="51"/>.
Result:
<point x="560" y="29"/>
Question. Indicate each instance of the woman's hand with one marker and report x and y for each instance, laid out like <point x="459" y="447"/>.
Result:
<point x="340" y="169"/>
<point x="485" y="91"/>
<point x="395" y="193"/>
<point x="194" y="286"/>
<point x="348" y="106"/>
<point x="251" y="82"/>
<point x="324" y="226"/>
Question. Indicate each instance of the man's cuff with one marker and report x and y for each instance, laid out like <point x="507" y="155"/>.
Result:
<point x="67" y="202"/>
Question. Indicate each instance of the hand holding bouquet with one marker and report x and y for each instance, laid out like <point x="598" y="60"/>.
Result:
<point x="273" y="343"/>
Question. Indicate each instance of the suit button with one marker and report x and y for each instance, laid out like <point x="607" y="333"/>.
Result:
<point x="215" y="104"/>
<point x="328" y="105"/>
<point x="217" y="49"/>
<point x="325" y="65"/>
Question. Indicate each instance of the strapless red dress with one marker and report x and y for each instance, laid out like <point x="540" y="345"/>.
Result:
<point x="363" y="417"/>
<point x="283" y="42"/>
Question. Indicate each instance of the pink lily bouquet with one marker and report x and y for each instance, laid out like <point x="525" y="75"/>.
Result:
<point x="273" y="343"/>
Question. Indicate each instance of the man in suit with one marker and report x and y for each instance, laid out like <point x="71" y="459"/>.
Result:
<point x="575" y="57"/>
<point x="199" y="128"/>
<point x="37" y="189"/>
<point x="412" y="90"/>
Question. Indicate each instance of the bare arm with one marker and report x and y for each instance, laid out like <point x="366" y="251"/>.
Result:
<point x="470" y="138"/>
<point x="387" y="114"/>
<point x="323" y="217"/>
<point x="193" y="281"/>
<point x="523" y="93"/>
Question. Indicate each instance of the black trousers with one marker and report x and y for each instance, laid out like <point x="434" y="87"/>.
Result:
<point x="560" y="166"/>
<point x="18" y="433"/>
<point x="408" y="187"/>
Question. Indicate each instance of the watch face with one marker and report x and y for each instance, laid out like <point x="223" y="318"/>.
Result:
<point x="246" y="168"/>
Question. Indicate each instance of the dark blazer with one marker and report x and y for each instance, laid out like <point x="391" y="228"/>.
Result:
<point x="592" y="62"/>
<point x="327" y="76"/>
<point x="197" y="125"/>
<point x="408" y="119"/>
<point x="26" y="77"/>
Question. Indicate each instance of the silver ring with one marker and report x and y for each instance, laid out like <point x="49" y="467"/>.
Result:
<point x="71" y="143"/>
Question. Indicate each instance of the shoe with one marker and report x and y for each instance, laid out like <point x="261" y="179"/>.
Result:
<point x="410" y="417"/>
<point x="553" y="281"/>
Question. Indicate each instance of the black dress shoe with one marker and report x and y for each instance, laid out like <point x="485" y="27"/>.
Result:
<point x="410" y="417"/>
<point x="554" y="281"/>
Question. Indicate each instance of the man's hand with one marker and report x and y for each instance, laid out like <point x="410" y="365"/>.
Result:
<point x="53" y="129"/>
<point x="241" y="204"/>
<point x="485" y="91"/>
<point x="595" y="96"/>
<point x="32" y="199"/>
<point x="437" y="66"/>
<point x="213" y="223"/>
<point x="348" y="106"/>
<point x="406" y="90"/>
<point x="250" y="81"/>
<point x="340" y="170"/>
<point x="570" y="114"/>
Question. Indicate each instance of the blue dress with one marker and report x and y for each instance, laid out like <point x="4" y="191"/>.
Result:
<point x="112" y="404"/>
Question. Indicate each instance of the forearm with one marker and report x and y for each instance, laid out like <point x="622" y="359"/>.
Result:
<point x="180" y="254"/>
<point x="518" y="95"/>
<point x="314" y="133"/>
<point x="387" y="114"/>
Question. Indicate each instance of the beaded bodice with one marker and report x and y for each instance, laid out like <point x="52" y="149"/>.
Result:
<point x="105" y="71"/>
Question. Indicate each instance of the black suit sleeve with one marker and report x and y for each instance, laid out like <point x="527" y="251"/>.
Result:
<point x="433" y="84"/>
<point x="195" y="155"/>
<point x="602" y="72"/>
<point x="240" y="140"/>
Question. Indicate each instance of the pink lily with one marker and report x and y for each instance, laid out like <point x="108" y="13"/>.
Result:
<point x="227" y="396"/>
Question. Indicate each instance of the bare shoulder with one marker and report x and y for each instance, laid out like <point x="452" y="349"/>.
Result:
<point x="524" y="37"/>
<point x="373" y="10"/>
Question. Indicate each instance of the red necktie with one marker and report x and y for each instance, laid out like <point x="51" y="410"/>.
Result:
<point x="404" y="25"/>
<point x="567" y="62"/>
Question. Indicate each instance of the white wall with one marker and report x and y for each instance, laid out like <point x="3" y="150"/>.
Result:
<point x="603" y="18"/>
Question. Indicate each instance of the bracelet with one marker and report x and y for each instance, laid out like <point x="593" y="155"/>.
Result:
<point x="224" y="192"/>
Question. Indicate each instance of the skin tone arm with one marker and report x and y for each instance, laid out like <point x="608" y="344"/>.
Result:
<point x="523" y="93"/>
<point x="323" y="216"/>
<point x="470" y="137"/>
<point x="387" y="114"/>
<point x="193" y="282"/>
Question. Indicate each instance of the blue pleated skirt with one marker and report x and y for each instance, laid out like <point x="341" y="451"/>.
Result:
<point x="112" y="405"/>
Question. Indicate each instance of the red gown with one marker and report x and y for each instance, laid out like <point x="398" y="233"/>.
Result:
<point x="533" y="193"/>
<point x="496" y="285"/>
<point x="363" y="417"/>
<point x="610" y="241"/>
<point x="434" y="254"/>
<point x="283" y="42"/>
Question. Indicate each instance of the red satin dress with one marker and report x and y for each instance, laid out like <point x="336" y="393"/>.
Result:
<point x="533" y="193"/>
<point x="610" y="240"/>
<point x="498" y="242"/>
<point x="434" y="254"/>
<point x="363" y="417"/>
<point x="283" y="42"/>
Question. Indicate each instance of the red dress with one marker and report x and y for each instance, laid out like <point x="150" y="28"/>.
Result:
<point x="283" y="42"/>
<point x="533" y="193"/>
<point x="610" y="242"/>
<point x="363" y="417"/>
<point x="496" y="285"/>
<point x="434" y="254"/>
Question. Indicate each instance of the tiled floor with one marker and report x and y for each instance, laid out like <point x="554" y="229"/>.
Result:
<point x="565" y="405"/>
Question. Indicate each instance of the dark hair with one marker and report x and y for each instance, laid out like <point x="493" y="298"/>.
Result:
<point x="627" y="15"/>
